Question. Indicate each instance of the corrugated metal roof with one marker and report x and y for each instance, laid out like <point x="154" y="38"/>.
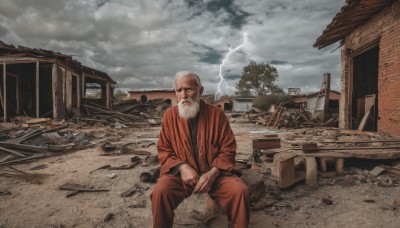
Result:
<point x="352" y="15"/>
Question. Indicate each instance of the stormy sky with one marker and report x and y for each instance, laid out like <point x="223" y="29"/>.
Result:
<point x="141" y="44"/>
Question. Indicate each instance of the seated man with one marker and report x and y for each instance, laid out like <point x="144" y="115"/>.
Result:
<point x="196" y="150"/>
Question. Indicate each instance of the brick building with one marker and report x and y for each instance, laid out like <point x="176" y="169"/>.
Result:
<point x="225" y="104"/>
<point x="144" y="95"/>
<point x="369" y="31"/>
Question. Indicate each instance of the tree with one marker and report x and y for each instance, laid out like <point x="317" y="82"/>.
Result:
<point x="265" y="102"/>
<point x="120" y="94"/>
<point x="258" y="79"/>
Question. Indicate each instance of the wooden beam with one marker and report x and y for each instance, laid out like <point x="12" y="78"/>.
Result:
<point x="83" y="85"/>
<point x="15" y="60"/>
<point x="108" y="95"/>
<point x="37" y="91"/>
<point x="17" y="93"/>
<point x="311" y="172"/>
<point x="54" y="90"/>
<point x="4" y="92"/>
<point x="327" y="79"/>
<point x="1" y="98"/>
<point x="68" y="91"/>
<point x="79" y="91"/>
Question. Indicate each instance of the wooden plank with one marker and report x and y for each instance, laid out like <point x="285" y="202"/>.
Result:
<point x="108" y="95"/>
<point x="266" y="143"/>
<point x="1" y="98"/>
<point x="54" y="91"/>
<point x="68" y="91"/>
<point x="309" y="147"/>
<point x="5" y="158"/>
<point x="38" y="120"/>
<point x="322" y="164"/>
<point x="13" y="152"/>
<point x="37" y="91"/>
<point x="321" y="149"/>
<point x="17" y="94"/>
<point x="5" y="92"/>
<point x="367" y="154"/>
<point x="79" y="91"/>
<point x="340" y="166"/>
<point x="311" y="172"/>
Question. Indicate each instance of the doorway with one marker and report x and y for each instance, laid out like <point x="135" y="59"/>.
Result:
<point x="365" y="90"/>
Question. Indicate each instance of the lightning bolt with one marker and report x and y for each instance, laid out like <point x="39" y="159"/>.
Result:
<point x="219" y="92"/>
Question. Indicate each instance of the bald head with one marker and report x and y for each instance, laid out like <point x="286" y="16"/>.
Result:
<point x="182" y="74"/>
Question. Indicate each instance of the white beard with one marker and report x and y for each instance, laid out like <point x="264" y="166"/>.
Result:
<point x="189" y="111"/>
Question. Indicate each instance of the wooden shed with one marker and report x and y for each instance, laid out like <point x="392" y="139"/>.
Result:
<point x="242" y="104"/>
<point x="42" y="83"/>
<point x="369" y="35"/>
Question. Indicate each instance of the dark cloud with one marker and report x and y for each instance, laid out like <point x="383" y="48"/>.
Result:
<point x="143" y="43"/>
<point x="232" y="77"/>
<point x="207" y="54"/>
<point x="235" y="17"/>
<point x="277" y="62"/>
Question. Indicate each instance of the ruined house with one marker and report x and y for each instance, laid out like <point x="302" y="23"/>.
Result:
<point x="242" y="104"/>
<point x="313" y="102"/>
<point x="369" y="35"/>
<point x="42" y="83"/>
<point x="224" y="103"/>
<point x="142" y="96"/>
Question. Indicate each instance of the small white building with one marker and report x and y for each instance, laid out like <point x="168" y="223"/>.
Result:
<point x="241" y="104"/>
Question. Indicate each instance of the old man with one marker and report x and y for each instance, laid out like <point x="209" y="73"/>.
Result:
<point x="196" y="150"/>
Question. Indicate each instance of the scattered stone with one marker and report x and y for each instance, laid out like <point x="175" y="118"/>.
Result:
<point x="111" y="175"/>
<point x="327" y="201"/>
<point x="376" y="171"/>
<point x="108" y="217"/>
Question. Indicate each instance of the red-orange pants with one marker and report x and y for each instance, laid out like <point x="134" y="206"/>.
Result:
<point x="229" y="192"/>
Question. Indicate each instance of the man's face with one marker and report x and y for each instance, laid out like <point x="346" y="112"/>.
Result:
<point x="187" y="90"/>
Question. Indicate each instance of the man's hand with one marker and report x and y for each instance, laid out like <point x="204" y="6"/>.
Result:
<point x="188" y="174"/>
<point x="206" y="181"/>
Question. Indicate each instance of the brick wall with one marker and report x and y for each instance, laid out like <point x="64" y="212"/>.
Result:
<point x="151" y="95"/>
<point x="385" y="27"/>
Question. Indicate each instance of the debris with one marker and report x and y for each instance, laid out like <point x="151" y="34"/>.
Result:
<point x="151" y="160"/>
<point x="129" y="192"/>
<point x="33" y="178"/>
<point x="76" y="188"/>
<point x="260" y="205"/>
<point x="369" y="201"/>
<point x="376" y="171"/>
<point x="39" y="167"/>
<point x="111" y="175"/>
<point x="4" y="193"/>
<point x="108" y="217"/>
<point x="285" y="203"/>
<point x="147" y="144"/>
<point x="392" y="170"/>
<point x="255" y="182"/>
<point x="101" y="167"/>
<point x="327" y="201"/>
<point x="140" y="204"/>
<point x="150" y="176"/>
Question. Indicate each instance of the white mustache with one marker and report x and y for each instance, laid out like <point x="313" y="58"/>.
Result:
<point x="186" y="100"/>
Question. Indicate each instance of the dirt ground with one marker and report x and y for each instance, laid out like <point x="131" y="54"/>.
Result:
<point x="352" y="200"/>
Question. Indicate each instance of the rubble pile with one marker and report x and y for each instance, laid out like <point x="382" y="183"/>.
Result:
<point x="285" y="117"/>
<point x="125" y="113"/>
<point x="19" y="145"/>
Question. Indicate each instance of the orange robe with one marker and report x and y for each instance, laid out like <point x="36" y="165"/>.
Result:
<point x="216" y="148"/>
<point x="215" y="139"/>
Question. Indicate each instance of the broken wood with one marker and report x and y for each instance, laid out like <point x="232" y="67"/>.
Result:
<point x="77" y="188"/>
<point x="311" y="172"/>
